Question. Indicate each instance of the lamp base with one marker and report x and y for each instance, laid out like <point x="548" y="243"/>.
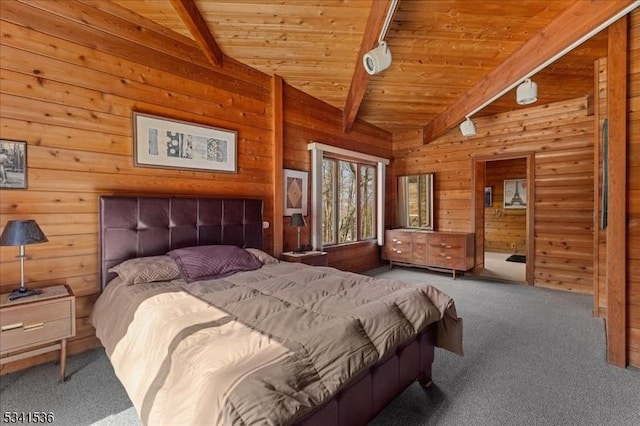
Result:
<point x="23" y="292"/>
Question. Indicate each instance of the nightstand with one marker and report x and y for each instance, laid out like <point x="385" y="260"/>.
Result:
<point x="313" y="258"/>
<point x="34" y="321"/>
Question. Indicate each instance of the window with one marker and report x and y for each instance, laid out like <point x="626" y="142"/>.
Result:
<point x="348" y="201"/>
<point x="347" y="194"/>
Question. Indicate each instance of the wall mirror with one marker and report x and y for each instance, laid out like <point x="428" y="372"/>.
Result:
<point x="415" y="201"/>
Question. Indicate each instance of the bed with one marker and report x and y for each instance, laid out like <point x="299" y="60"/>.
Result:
<point x="281" y="343"/>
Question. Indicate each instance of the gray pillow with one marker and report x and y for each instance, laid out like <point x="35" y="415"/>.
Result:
<point x="147" y="269"/>
<point x="210" y="262"/>
<point x="263" y="257"/>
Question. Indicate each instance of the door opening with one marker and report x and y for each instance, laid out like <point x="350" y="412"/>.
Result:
<point x="504" y="216"/>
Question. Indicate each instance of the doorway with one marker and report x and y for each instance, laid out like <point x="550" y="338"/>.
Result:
<point x="504" y="217"/>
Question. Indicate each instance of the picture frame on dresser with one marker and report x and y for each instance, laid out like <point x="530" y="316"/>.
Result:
<point x="13" y="164"/>
<point x="296" y="192"/>
<point x="175" y="144"/>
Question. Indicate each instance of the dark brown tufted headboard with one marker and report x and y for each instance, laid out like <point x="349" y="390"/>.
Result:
<point x="148" y="226"/>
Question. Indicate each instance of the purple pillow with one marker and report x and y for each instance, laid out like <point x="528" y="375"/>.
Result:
<point x="209" y="262"/>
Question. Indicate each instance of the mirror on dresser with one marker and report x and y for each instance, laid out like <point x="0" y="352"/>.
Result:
<point x="415" y="201"/>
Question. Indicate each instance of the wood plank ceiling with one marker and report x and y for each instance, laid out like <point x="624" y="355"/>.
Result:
<point x="440" y="48"/>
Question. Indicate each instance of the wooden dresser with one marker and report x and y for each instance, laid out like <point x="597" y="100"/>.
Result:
<point x="453" y="251"/>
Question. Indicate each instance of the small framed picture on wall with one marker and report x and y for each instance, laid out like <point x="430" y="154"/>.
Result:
<point x="295" y="192"/>
<point x="13" y="164"/>
<point x="515" y="193"/>
<point x="488" y="196"/>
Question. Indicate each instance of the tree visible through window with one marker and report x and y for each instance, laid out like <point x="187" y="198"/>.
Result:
<point x="348" y="201"/>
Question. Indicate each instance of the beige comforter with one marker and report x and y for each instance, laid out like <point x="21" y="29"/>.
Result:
<point x="259" y="347"/>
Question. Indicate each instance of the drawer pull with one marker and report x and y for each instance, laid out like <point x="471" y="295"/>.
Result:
<point x="399" y="252"/>
<point x="449" y="257"/>
<point x="399" y="242"/>
<point x="442" y="244"/>
<point x="394" y="240"/>
<point x="11" y="326"/>
<point x="448" y="246"/>
<point x="33" y="326"/>
<point x="442" y="254"/>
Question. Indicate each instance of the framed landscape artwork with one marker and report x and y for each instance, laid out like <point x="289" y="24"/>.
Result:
<point x="13" y="164"/>
<point x="295" y="192"/>
<point x="167" y="143"/>
<point x="515" y="193"/>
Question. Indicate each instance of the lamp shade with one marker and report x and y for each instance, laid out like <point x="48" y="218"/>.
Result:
<point x="297" y="220"/>
<point x="22" y="232"/>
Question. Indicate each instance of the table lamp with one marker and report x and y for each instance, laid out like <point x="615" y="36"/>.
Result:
<point x="298" y="220"/>
<point x="21" y="233"/>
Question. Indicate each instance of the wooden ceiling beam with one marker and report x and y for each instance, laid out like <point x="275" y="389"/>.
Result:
<point x="198" y="27"/>
<point x="360" y="79"/>
<point x="568" y="28"/>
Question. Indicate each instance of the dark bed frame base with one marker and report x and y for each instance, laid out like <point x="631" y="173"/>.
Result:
<point x="369" y="393"/>
<point x="145" y="226"/>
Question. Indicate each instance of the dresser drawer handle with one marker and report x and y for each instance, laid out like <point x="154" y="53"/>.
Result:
<point x="33" y="326"/>
<point x="449" y="257"/>
<point x="443" y="244"/>
<point x="442" y="254"/>
<point x="399" y="251"/>
<point x="399" y="242"/>
<point x="448" y="247"/>
<point x="11" y="326"/>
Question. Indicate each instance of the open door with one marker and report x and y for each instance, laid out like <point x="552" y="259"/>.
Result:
<point x="503" y="217"/>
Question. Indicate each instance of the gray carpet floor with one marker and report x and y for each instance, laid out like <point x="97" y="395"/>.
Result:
<point x="532" y="357"/>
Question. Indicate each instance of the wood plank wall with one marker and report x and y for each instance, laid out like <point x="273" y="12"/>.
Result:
<point x="68" y="88"/>
<point x="306" y="119"/>
<point x="71" y="74"/>
<point x="504" y="228"/>
<point x="561" y="136"/>
<point x="633" y="191"/>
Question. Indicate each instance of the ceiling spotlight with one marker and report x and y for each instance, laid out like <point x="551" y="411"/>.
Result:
<point x="527" y="92"/>
<point x="377" y="60"/>
<point x="467" y="128"/>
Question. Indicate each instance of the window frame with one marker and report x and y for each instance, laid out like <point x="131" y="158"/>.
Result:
<point x="335" y="182"/>
<point x="318" y="152"/>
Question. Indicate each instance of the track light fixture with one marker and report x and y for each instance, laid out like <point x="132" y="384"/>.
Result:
<point x="527" y="92"/>
<point x="467" y="128"/>
<point x="379" y="59"/>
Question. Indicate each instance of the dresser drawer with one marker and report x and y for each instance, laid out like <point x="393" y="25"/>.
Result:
<point x="449" y="259"/>
<point x="447" y="241"/>
<point x="419" y="245"/>
<point x="399" y="238"/>
<point x="397" y="247"/>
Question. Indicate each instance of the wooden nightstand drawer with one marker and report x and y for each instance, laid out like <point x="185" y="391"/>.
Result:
<point x="34" y="334"/>
<point x="43" y="313"/>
